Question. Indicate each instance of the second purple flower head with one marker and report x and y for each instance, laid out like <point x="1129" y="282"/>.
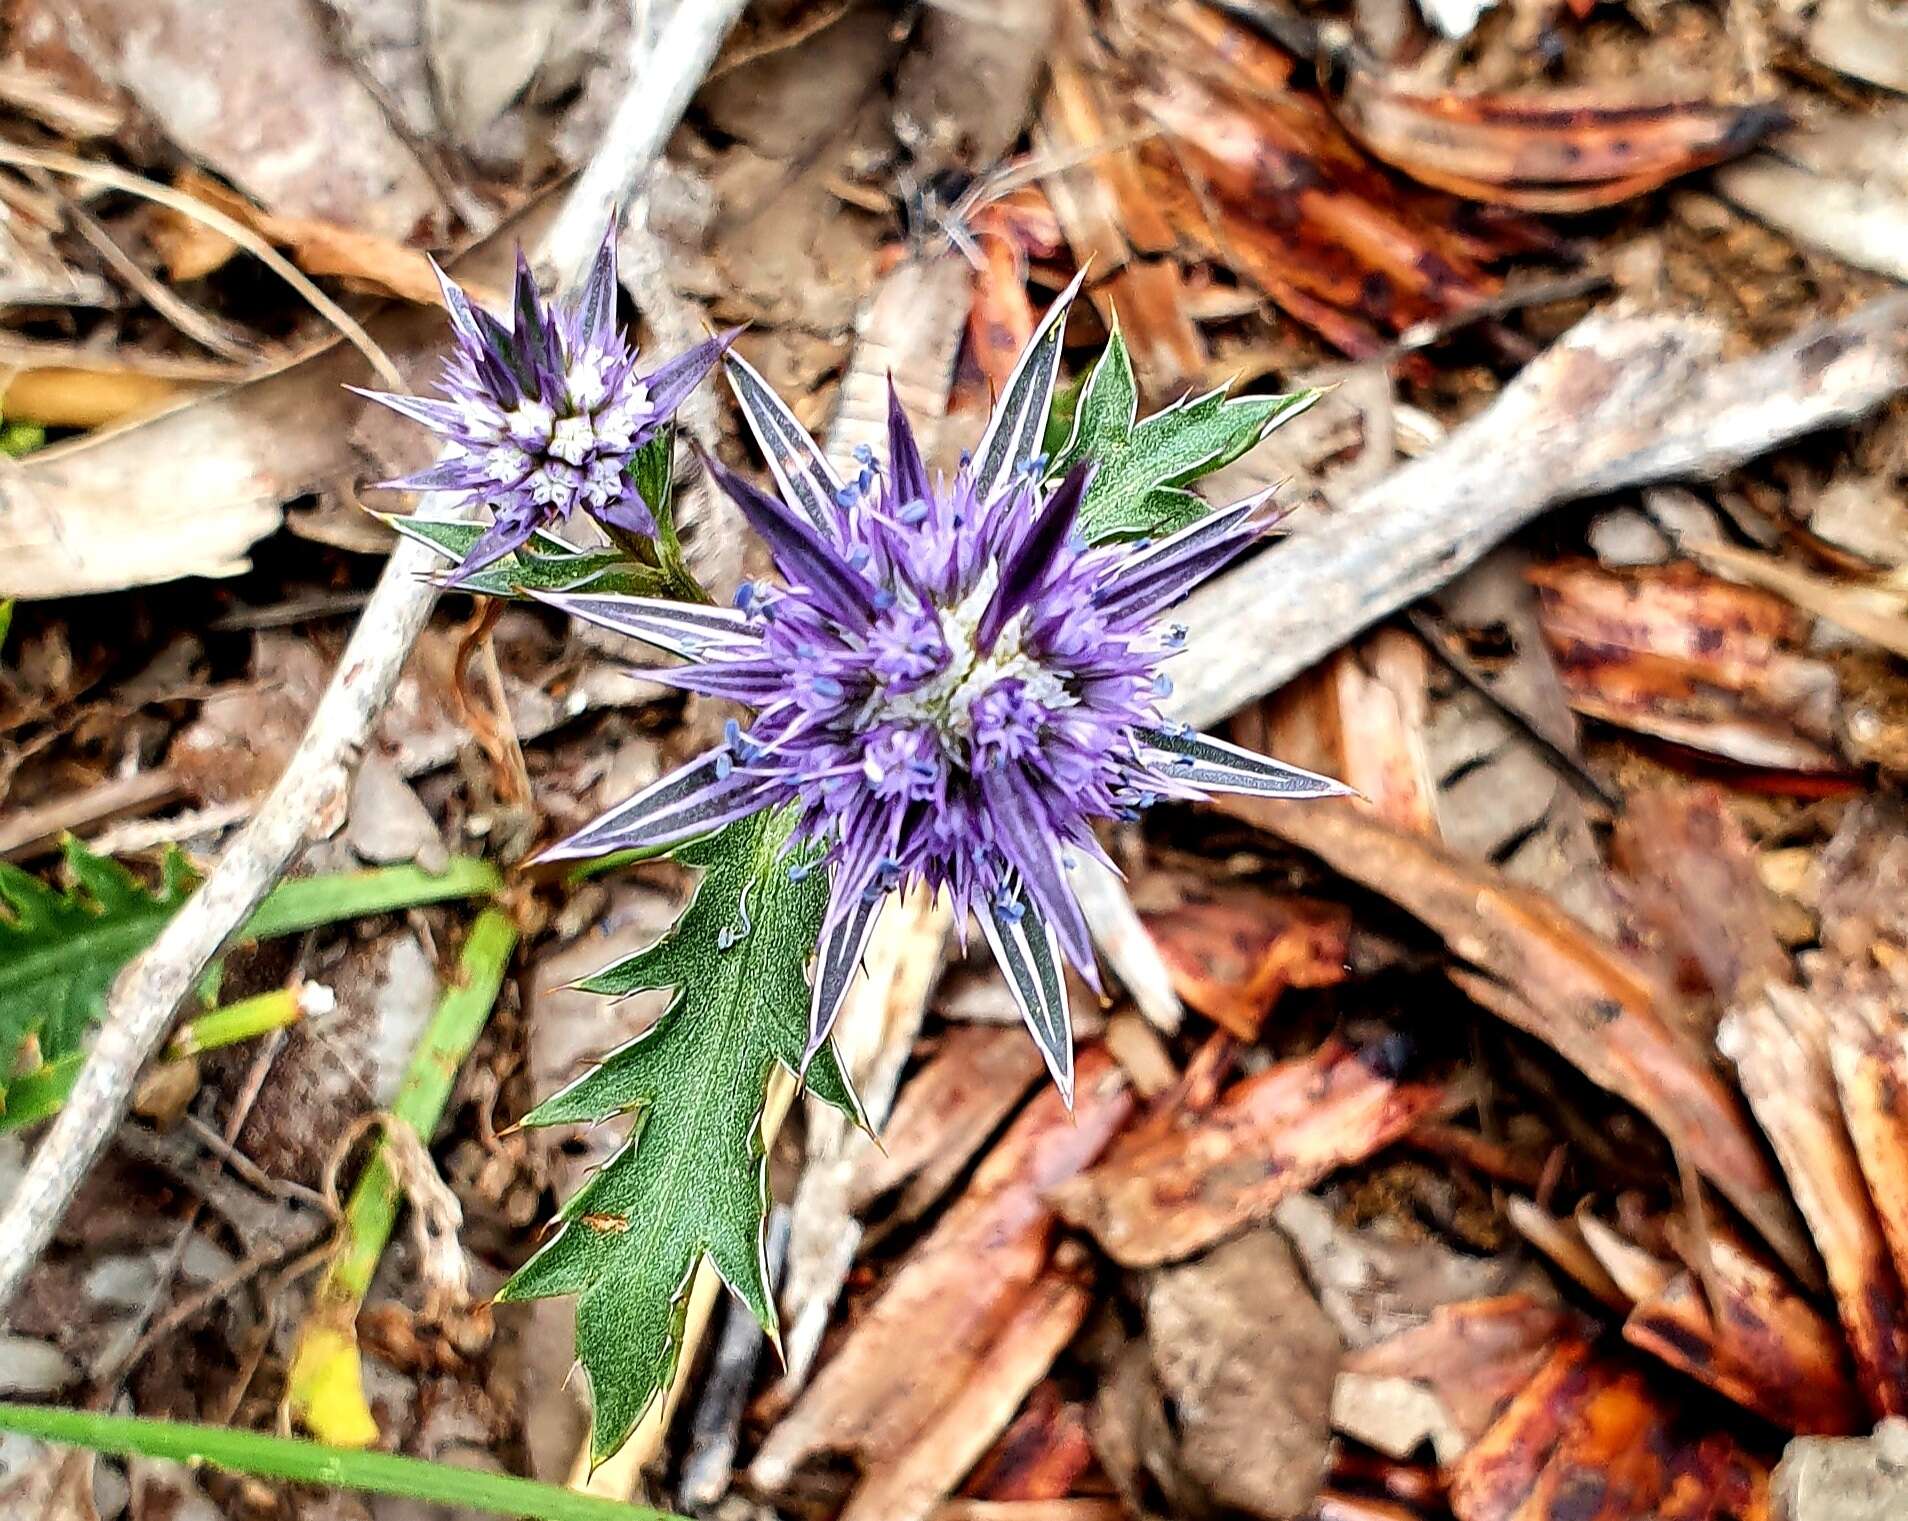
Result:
<point x="544" y="415"/>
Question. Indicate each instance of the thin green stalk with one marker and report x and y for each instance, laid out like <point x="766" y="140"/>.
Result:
<point x="453" y="1030"/>
<point x="307" y="902"/>
<point x="41" y="1092"/>
<point x="302" y="1462"/>
<point x="246" y="1019"/>
<point x="326" y="1387"/>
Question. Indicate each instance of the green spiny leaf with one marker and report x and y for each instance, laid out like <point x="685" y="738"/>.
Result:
<point x="60" y="951"/>
<point x="1139" y="490"/>
<point x="690" y="1182"/>
<point x="546" y="564"/>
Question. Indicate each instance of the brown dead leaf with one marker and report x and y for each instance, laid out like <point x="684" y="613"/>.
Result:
<point x="316" y="246"/>
<point x="1233" y="949"/>
<point x="1687" y="657"/>
<point x="252" y="88"/>
<point x="1247" y="1357"/>
<point x="1268" y="1136"/>
<point x="1545" y="973"/>
<point x="931" y="1330"/>
<point x="189" y="491"/>
<point x="1555" y="150"/>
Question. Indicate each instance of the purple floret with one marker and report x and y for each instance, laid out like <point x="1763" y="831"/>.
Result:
<point x="545" y="415"/>
<point x="948" y="683"/>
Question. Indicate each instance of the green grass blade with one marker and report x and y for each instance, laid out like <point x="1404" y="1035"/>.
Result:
<point x="307" y="902"/>
<point x="301" y="1462"/>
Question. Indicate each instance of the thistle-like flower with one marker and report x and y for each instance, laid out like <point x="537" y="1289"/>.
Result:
<point x="948" y="684"/>
<point x="545" y="415"/>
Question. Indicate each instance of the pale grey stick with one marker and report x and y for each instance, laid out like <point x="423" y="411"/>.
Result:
<point x="308" y="802"/>
<point x="1619" y="401"/>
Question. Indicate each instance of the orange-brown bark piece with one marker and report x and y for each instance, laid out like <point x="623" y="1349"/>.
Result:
<point x="1232" y="950"/>
<point x="1779" y="1043"/>
<point x="1763" y="1346"/>
<point x="1544" y="972"/>
<point x="935" y="1327"/>
<point x="1039" y="1456"/>
<point x="1591" y="1438"/>
<point x="1555" y="150"/>
<point x="1269" y="1136"/>
<point x="1674" y="652"/>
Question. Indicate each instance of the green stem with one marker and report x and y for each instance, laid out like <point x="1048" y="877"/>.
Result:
<point x="307" y="902"/>
<point x="247" y="1019"/>
<point x="301" y="1462"/>
<point x="461" y="1016"/>
<point x="42" y="1092"/>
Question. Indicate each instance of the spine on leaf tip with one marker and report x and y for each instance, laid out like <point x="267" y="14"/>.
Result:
<point x="952" y="679"/>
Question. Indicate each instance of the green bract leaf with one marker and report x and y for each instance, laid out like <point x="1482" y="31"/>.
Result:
<point x="653" y="472"/>
<point x="60" y="951"/>
<point x="1139" y="490"/>
<point x="547" y="564"/>
<point x="691" y="1181"/>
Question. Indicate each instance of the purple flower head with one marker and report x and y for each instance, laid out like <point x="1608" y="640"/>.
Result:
<point x="545" y="415"/>
<point x="948" y="682"/>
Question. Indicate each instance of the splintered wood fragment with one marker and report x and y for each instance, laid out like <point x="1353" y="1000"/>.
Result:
<point x="1563" y="1243"/>
<point x="875" y="1035"/>
<point x="1869" y="1057"/>
<point x="1232" y="951"/>
<point x="1779" y="1043"/>
<point x="1592" y="1438"/>
<point x="1621" y="400"/>
<point x="932" y="1328"/>
<point x="1269" y="1136"/>
<point x="1640" y="1274"/>
<point x="1123" y="939"/>
<point x="1744" y="1332"/>
<point x="960" y="1097"/>
<point x="1545" y="973"/>
<point x="1502" y="1464"/>
<point x="1446" y="1380"/>
<point x="1081" y="1508"/>
<point x="906" y="1487"/>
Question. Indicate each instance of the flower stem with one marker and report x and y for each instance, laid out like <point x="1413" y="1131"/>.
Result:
<point x="302" y="1462"/>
